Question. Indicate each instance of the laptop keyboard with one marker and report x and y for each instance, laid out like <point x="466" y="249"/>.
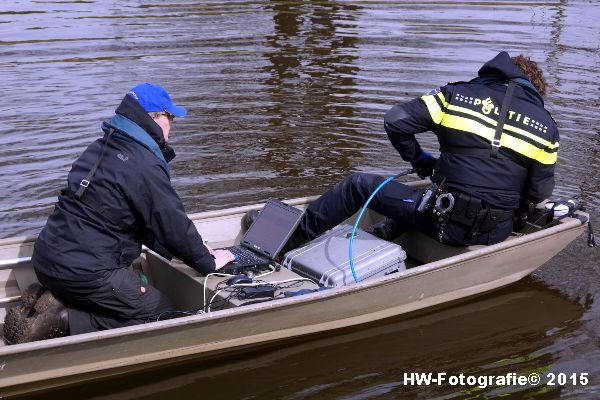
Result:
<point x="243" y="256"/>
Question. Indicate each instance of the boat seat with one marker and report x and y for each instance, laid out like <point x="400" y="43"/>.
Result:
<point x="425" y="249"/>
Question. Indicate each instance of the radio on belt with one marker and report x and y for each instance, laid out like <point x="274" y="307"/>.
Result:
<point x="325" y="259"/>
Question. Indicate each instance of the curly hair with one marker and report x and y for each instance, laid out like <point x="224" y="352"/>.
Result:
<point x="532" y="72"/>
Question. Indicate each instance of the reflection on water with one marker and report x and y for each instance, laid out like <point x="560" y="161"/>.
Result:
<point x="311" y="66"/>
<point x="499" y="333"/>
<point x="285" y="98"/>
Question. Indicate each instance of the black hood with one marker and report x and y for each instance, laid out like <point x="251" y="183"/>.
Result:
<point x="501" y="69"/>
<point x="131" y="109"/>
<point x="501" y="65"/>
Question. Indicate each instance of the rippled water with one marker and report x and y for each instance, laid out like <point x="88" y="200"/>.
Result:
<point x="284" y="99"/>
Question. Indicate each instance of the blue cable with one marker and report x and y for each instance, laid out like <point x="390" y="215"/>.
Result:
<point x="362" y="211"/>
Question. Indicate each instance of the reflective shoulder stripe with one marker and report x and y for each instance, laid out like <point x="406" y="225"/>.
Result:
<point x="475" y="114"/>
<point x="542" y="141"/>
<point x="508" y="141"/>
<point x="529" y="150"/>
<point x="436" y="105"/>
<point x="507" y="127"/>
<point x="468" y="125"/>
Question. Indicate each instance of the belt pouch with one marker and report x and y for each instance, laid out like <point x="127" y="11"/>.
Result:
<point x="489" y="222"/>
<point x="465" y="209"/>
<point x="482" y="215"/>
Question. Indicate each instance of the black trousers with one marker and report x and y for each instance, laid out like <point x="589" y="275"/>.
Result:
<point x="117" y="298"/>
<point x="394" y="200"/>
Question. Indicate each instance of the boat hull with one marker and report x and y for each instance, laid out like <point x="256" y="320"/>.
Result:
<point x="51" y="363"/>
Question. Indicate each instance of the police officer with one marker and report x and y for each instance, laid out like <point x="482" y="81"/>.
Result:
<point x="118" y="197"/>
<point x="498" y="147"/>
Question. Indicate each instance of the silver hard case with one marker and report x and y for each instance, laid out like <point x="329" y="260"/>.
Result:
<point x="326" y="259"/>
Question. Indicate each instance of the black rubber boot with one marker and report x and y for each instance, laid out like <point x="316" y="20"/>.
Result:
<point x="51" y="320"/>
<point x="248" y="219"/>
<point x="16" y="317"/>
<point x="297" y="239"/>
<point x="388" y="229"/>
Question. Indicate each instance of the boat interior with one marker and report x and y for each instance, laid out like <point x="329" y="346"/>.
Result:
<point x="193" y="293"/>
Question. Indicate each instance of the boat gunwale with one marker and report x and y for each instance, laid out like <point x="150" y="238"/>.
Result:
<point x="195" y="217"/>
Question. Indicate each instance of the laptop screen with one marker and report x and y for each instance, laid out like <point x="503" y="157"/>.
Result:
<point x="272" y="228"/>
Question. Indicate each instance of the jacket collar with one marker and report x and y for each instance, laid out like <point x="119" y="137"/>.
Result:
<point x="132" y="110"/>
<point x="127" y="130"/>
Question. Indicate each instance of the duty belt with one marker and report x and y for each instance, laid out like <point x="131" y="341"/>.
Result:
<point x="471" y="212"/>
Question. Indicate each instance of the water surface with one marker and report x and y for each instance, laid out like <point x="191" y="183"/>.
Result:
<point x="285" y="98"/>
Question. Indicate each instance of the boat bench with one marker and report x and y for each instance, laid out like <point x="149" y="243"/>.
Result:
<point x="425" y="249"/>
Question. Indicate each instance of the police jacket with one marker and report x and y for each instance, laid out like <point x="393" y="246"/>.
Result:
<point x="128" y="202"/>
<point x="464" y="117"/>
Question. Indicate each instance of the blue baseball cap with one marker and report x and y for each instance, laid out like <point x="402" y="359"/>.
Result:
<point x="154" y="98"/>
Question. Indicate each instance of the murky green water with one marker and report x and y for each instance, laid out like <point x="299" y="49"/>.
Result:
<point x="284" y="99"/>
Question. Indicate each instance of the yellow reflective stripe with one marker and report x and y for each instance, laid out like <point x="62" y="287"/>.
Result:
<point x="507" y="141"/>
<point x="433" y="107"/>
<point x="529" y="150"/>
<point x="468" y="125"/>
<point x="473" y="113"/>
<point x="440" y="95"/>
<point x="508" y="127"/>
<point x="530" y="135"/>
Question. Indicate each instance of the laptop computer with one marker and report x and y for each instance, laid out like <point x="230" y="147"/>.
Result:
<point x="265" y="238"/>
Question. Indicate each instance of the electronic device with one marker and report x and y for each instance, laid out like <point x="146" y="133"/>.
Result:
<point x="238" y="279"/>
<point x="265" y="238"/>
<point x="257" y="292"/>
<point x="428" y="199"/>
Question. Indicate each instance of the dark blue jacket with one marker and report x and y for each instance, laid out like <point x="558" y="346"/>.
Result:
<point x="129" y="202"/>
<point x="464" y="116"/>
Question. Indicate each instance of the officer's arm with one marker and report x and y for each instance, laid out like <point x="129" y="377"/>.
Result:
<point x="403" y="121"/>
<point x="163" y="214"/>
<point x="540" y="183"/>
<point x="540" y="175"/>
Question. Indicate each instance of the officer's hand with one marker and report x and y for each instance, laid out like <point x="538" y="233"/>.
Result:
<point x="222" y="258"/>
<point x="425" y="165"/>
<point x="520" y="223"/>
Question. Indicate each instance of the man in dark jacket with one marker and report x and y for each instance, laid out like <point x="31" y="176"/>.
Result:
<point x="493" y="156"/>
<point x="118" y="197"/>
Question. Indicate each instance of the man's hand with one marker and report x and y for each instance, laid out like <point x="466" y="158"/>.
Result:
<point x="222" y="258"/>
<point x="425" y="164"/>
<point x="210" y="250"/>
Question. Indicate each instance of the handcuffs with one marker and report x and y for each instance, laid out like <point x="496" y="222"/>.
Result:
<point x="438" y="203"/>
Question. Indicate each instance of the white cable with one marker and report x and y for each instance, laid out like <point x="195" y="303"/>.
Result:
<point x="296" y="279"/>
<point x="264" y="283"/>
<point x="273" y="282"/>
<point x="206" y="280"/>
<point x="211" y="300"/>
<point x="266" y="273"/>
<point x="204" y="305"/>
